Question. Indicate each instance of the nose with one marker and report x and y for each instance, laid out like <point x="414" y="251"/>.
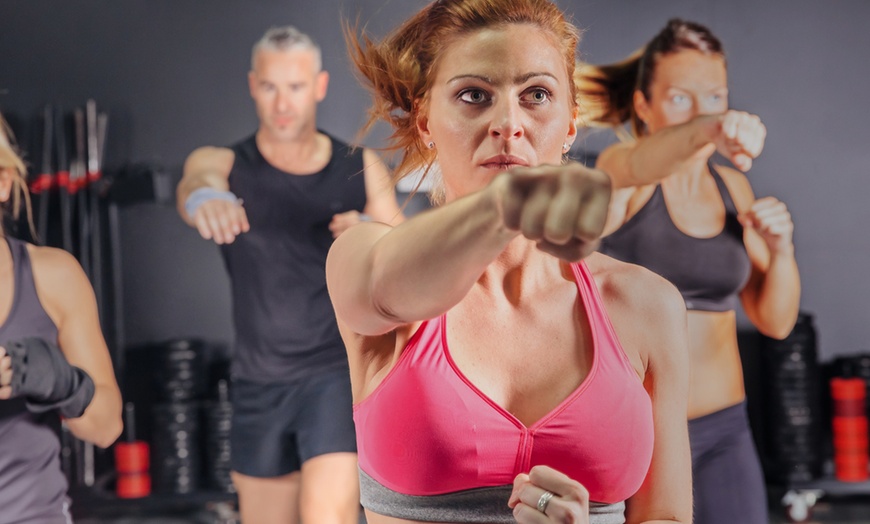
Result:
<point x="705" y="107"/>
<point x="506" y="120"/>
<point x="282" y="101"/>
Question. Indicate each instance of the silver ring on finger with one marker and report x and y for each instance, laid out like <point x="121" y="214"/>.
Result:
<point x="544" y="501"/>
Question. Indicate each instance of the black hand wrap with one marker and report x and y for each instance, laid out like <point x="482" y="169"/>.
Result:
<point x="41" y="375"/>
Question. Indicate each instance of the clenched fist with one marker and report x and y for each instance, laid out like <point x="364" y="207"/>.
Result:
<point x="772" y="220"/>
<point x="741" y="138"/>
<point x="562" y="208"/>
<point x="221" y="220"/>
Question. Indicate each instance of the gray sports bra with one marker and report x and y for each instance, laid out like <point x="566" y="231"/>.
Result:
<point x="709" y="272"/>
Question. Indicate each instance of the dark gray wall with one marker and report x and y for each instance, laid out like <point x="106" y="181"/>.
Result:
<point x="172" y="76"/>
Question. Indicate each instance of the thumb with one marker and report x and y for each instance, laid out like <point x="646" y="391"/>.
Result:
<point x="742" y="161"/>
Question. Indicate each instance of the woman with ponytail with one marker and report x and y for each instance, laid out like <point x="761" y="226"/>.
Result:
<point x="502" y="370"/>
<point x="700" y="226"/>
<point x="53" y="363"/>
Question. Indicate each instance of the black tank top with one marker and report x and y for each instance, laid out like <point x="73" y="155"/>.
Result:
<point x="32" y="485"/>
<point x="709" y="272"/>
<point x="284" y="322"/>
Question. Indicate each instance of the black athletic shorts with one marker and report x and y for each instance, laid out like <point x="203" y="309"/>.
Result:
<point x="276" y="427"/>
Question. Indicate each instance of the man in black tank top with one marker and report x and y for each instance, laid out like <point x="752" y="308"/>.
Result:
<point x="274" y="202"/>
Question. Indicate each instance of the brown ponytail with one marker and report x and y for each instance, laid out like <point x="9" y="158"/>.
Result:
<point x="607" y="92"/>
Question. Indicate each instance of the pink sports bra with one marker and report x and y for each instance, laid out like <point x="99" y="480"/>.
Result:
<point x="426" y="430"/>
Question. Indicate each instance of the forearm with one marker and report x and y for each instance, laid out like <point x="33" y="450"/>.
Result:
<point x="198" y="180"/>
<point x="380" y="278"/>
<point x="426" y="265"/>
<point x="657" y="156"/>
<point x="779" y="297"/>
<point x="101" y="421"/>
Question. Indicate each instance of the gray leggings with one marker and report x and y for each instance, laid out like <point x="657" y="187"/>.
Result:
<point x="726" y="473"/>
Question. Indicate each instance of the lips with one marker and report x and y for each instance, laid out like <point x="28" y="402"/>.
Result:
<point x="503" y="162"/>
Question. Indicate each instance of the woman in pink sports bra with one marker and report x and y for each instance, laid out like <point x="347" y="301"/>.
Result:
<point x="502" y="370"/>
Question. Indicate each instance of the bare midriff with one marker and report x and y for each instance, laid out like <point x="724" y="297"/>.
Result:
<point x="715" y="371"/>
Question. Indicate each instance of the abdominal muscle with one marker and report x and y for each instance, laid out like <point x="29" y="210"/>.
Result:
<point x="715" y="371"/>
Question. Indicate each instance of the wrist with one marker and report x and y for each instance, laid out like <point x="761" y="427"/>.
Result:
<point x="76" y="401"/>
<point x="708" y="129"/>
<point x="493" y="200"/>
<point x="200" y="196"/>
<point x="782" y="252"/>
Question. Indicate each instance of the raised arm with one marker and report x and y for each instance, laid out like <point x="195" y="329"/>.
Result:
<point x="771" y="298"/>
<point x="381" y="203"/>
<point x="736" y="135"/>
<point x="203" y="199"/>
<point x="381" y="277"/>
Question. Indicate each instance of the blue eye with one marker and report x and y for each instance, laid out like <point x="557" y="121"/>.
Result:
<point x="679" y="99"/>
<point x="473" y="96"/>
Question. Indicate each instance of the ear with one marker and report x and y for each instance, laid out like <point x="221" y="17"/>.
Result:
<point x="252" y="82"/>
<point x="572" y="127"/>
<point x="422" y="122"/>
<point x="322" y="85"/>
<point x="641" y="106"/>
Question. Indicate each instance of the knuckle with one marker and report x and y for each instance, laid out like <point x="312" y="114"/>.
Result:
<point x="577" y="492"/>
<point x="520" y="510"/>
<point x="537" y="470"/>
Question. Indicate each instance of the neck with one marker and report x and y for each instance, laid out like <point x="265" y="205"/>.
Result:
<point x="690" y="178"/>
<point x="304" y="138"/>
<point x="521" y="270"/>
<point x="295" y="153"/>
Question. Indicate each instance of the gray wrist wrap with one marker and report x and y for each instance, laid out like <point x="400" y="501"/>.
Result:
<point x="41" y="374"/>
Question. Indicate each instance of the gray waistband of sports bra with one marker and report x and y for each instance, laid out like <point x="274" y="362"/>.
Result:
<point x="479" y="505"/>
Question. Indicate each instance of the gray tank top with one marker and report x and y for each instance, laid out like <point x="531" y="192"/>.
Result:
<point x="32" y="486"/>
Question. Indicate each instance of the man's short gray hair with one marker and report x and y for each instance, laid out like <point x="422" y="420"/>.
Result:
<point x="287" y="38"/>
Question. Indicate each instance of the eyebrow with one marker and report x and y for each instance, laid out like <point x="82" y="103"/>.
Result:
<point x="517" y="80"/>
<point x="683" y="88"/>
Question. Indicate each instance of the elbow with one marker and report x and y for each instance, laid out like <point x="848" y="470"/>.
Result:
<point x="777" y="333"/>
<point x="777" y="330"/>
<point x="108" y="434"/>
<point x="106" y="425"/>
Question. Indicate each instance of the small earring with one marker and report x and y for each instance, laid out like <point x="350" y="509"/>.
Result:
<point x="431" y="145"/>
<point x="565" y="147"/>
